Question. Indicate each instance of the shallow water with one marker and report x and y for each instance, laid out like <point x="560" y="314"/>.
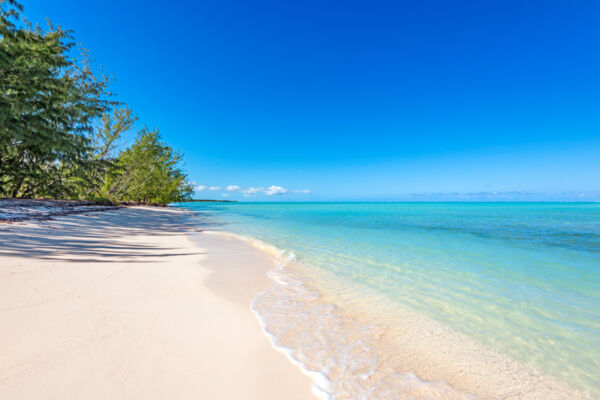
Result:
<point x="521" y="279"/>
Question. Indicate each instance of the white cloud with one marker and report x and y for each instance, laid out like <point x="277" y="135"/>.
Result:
<point x="275" y="190"/>
<point x="252" y="191"/>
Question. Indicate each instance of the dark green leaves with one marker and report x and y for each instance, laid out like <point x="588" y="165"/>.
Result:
<point x="59" y="131"/>
<point x="149" y="173"/>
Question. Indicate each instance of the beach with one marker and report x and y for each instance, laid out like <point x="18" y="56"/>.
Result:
<point x="266" y="301"/>
<point x="396" y="200"/>
<point x="123" y="304"/>
<point x="429" y="300"/>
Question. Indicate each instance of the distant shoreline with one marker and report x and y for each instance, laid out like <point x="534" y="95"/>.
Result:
<point x="208" y="201"/>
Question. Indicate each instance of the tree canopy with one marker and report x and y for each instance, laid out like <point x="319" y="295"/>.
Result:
<point x="60" y="127"/>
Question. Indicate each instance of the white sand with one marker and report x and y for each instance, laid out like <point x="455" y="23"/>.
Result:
<point x="122" y="305"/>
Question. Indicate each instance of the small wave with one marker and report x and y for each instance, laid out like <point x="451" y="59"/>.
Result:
<point x="340" y="355"/>
<point x="370" y="353"/>
<point x="279" y="254"/>
<point x="321" y="384"/>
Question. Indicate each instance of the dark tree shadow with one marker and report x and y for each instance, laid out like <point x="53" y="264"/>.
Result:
<point x="98" y="236"/>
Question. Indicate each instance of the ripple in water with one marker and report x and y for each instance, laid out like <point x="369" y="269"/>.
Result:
<point x="499" y="300"/>
<point x="340" y="354"/>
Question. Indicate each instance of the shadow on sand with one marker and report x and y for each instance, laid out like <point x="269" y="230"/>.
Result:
<point x="96" y="237"/>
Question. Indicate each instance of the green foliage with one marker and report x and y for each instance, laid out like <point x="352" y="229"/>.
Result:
<point x="48" y="102"/>
<point x="147" y="172"/>
<point x="59" y="131"/>
<point x="104" y="141"/>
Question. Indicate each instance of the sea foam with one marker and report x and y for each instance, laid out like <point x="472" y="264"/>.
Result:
<point x="339" y="354"/>
<point x="393" y="300"/>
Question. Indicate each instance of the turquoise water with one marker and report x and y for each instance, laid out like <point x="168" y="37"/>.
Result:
<point x="522" y="278"/>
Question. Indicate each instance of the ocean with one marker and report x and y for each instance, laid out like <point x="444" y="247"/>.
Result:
<point x="412" y="300"/>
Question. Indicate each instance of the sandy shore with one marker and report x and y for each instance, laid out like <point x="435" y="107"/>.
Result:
<point x="124" y="305"/>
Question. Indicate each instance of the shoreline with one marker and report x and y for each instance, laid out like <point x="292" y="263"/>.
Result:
<point x="213" y="311"/>
<point x="132" y="303"/>
<point x="439" y="355"/>
<point x="430" y="359"/>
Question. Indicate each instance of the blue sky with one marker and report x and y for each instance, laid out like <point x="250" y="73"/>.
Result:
<point x="358" y="100"/>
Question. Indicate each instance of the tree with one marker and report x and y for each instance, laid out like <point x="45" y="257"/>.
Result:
<point x="149" y="172"/>
<point x="49" y="101"/>
<point x="105" y="140"/>
<point x="59" y="132"/>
